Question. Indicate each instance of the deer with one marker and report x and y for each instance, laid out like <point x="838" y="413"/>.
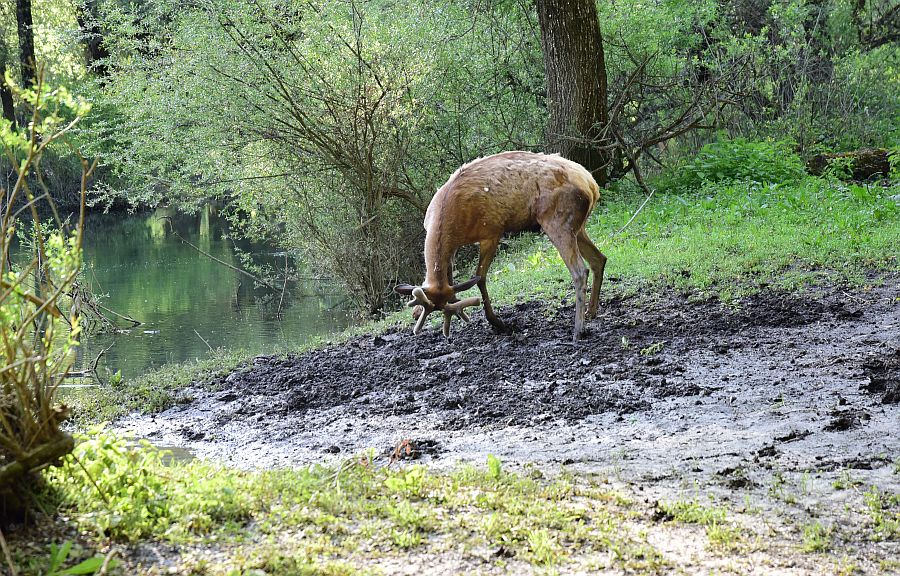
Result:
<point x="490" y="196"/>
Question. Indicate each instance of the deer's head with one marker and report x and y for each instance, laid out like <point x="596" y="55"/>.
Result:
<point x="426" y="299"/>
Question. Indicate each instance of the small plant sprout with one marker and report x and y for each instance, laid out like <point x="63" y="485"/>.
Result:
<point x="652" y="349"/>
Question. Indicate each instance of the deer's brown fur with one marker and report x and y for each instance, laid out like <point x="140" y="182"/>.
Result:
<point x="509" y="192"/>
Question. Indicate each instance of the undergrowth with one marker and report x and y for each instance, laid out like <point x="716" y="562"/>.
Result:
<point x="320" y="518"/>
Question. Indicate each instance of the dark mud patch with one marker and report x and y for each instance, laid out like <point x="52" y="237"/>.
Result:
<point x="883" y="373"/>
<point x="632" y="359"/>
<point x="664" y="385"/>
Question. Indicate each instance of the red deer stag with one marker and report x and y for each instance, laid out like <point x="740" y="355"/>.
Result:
<point x="506" y="192"/>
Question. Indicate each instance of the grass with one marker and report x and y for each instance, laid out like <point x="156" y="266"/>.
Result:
<point x="335" y="520"/>
<point x="726" y="240"/>
<point x="719" y="531"/>
<point x="816" y="537"/>
<point x="883" y="508"/>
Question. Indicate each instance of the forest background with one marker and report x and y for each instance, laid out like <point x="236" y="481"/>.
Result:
<point x="325" y="127"/>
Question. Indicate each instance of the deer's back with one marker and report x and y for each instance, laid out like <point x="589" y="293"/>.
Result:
<point x="502" y="193"/>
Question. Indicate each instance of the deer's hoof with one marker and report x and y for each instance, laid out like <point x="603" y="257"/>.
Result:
<point x="499" y="327"/>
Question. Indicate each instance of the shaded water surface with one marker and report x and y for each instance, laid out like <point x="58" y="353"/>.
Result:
<point x="187" y="302"/>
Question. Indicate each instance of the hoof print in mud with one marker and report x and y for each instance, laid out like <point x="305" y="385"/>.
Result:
<point x="883" y="373"/>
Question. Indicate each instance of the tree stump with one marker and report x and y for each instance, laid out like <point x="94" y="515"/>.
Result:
<point x="864" y="164"/>
<point x="17" y="478"/>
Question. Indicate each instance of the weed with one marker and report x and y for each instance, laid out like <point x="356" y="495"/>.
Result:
<point x="542" y="547"/>
<point x="692" y="512"/>
<point x="844" y="481"/>
<point x="720" y="533"/>
<point x="60" y="554"/>
<point x="494" y="469"/>
<point x="652" y="349"/>
<point x="816" y="537"/>
<point x="884" y="510"/>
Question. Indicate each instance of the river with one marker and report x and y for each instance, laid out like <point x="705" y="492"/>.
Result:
<point x="188" y="303"/>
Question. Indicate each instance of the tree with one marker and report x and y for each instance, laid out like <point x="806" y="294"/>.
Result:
<point x="575" y="73"/>
<point x="6" y="97"/>
<point x="25" y="27"/>
<point x="95" y="52"/>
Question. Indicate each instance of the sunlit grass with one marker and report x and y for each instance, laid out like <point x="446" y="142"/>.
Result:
<point x="332" y="519"/>
<point x="726" y="239"/>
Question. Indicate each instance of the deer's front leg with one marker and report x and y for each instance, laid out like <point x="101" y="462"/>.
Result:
<point x="487" y="249"/>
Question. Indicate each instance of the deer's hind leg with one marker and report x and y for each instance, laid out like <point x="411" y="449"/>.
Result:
<point x="597" y="261"/>
<point x="562" y="219"/>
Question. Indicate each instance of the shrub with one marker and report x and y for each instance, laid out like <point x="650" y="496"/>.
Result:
<point x="739" y="159"/>
<point x="36" y="339"/>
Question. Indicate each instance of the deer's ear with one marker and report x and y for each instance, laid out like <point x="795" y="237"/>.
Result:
<point x="463" y="286"/>
<point x="404" y="289"/>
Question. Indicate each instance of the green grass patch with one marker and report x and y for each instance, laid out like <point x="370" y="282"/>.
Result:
<point x="816" y="537"/>
<point x="727" y="239"/>
<point x="334" y="519"/>
<point x="719" y="531"/>
<point x="883" y="508"/>
<point x="152" y="392"/>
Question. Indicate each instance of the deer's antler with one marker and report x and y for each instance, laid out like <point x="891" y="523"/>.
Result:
<point x="458" y="309"/>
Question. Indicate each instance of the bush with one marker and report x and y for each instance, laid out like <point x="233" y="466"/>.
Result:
<point x="734" y="160"/>
<point x="38" y="342"/>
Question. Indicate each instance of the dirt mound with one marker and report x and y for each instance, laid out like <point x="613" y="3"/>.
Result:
<point x="883" y="372"/>
<point x="632" y="359"/>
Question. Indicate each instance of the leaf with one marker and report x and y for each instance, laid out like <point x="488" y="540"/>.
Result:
<point x="58" y="555"/>
<point x="396" y="484"/>
<point x="89" y="566"/>
<point x="493" y="464"/>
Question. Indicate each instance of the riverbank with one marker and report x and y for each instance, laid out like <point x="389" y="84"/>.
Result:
<point x="732" y="410"/>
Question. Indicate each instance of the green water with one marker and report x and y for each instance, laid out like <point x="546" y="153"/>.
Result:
<point x="187" y="302"/>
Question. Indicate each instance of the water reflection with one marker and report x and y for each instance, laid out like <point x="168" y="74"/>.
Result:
<point x="187" y="301"/>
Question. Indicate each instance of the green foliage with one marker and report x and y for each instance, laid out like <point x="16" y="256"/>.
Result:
<point x="727" y="160"/>
<point x="894" y="163"/>
<point x="59" y="555"/>
<point x="816" y="537"/>
<point x="38" y="343"/>
<point x="884" y="510"/>
<point x="123" y="491"/>
<point x="310" y="520"/>
<point x="327" y="126"/>
<point x="494" y="467"/>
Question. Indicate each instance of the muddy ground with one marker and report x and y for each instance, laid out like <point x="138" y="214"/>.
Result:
<point x="784" y="407"/>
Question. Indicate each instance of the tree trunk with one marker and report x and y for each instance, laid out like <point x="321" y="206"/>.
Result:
<point x="575" y="73"/>
<point x="95" y="52"/>
<point x="26" y="41"/>
<point x="6" y="98"/>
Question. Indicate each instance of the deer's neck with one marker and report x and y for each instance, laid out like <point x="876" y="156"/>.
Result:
<point x="438" y="255"/>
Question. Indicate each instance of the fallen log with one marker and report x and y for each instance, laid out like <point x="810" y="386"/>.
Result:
<point x="42" y="456"/>
<point x="864" y="164"/>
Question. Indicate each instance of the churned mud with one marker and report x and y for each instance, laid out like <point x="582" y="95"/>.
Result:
<point x="784" y="405"/>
